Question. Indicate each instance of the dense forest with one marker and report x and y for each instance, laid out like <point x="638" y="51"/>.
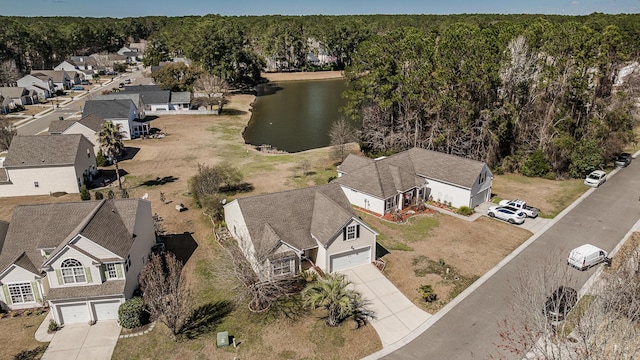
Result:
<point x="527" y="93"/>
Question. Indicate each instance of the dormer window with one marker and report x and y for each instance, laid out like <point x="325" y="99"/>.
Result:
<point x="73" y="272"/>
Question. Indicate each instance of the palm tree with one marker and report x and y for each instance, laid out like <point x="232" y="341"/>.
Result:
<point x="332" y="294"/>
<point x="110" y="138"/>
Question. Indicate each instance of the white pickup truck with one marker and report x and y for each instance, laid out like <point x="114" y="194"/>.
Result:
<point x="530" y="211"/>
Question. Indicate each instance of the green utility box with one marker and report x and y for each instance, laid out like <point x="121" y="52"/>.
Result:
<point x="223" y="339"/>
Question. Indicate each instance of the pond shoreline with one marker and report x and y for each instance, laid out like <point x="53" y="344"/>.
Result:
<point x="303" y="76"/>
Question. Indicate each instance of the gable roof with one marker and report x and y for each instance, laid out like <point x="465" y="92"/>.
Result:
<point x="121" y="95"/>
<point x="316" y="212"/>
<point x="108" y="223"/>
<point x="92" y="121"/>
<point x="108" y="109"/>
<point x="59" y="126"/>
<point x="36" y="150"/>
<point x="384" y="177"/>
<point x="55" y="75"/>
<point x="12" y="92"/>
<point x="180" y="97"/>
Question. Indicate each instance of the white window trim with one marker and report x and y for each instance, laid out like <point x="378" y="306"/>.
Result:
<point x="111" y="270"/>
<point x="20" y="287"/>
<point x="351" y="232"/>
<point x="279" y="266"/>
<point x="73" y="272"/>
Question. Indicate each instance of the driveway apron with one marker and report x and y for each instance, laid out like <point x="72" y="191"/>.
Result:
<point x="83" y="341"/>
<point x="394" y="316"/>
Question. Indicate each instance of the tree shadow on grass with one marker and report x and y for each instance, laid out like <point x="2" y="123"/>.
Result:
<point x="291" y="307"/>
<point x="205" y="319"/>
<point x="159" y="181"/>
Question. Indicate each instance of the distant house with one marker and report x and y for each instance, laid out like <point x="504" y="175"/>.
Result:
<point x="286" y="232"/>
<point x="140" y="47"/>
<point x="19" y="95"/>
<point x="123" y="112"/>
<point x="121" y="95"/>
<point x="392" y="183"/>
<point x="42" y="84"/>
<point x="41" y="165"/>
<point x="156" y="99"/>
<point x="86" y="66"/>
<point x="81" y="258"/>
<point x="89" y="126"/>
<point x="62" y="80"/>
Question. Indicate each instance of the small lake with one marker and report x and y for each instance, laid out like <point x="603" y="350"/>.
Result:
<point x="295" y="116"/>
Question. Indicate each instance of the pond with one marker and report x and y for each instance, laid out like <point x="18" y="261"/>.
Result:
<point x="295" y="116"/>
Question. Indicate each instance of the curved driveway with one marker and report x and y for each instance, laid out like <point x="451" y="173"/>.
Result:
<point x="469" y="330"/>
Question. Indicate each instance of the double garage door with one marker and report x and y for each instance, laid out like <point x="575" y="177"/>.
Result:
<point x="81" y="313"/>
<point x="350" y="259"/>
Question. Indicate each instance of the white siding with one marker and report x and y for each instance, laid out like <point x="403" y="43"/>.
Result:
<point x="144" y="240"/>
<point x="50" y="179"/>
<point x="91" y="135"/>
<point x="18" y="274"/>
<point x="444" y="192"/>
<point x="69" y="253"/>
<point x="124" y="127"/>
<point x="321" y="257"/>
<point x="338" y="245"/>
<point x="483" y="182"/>
<point x="363" y="200"/>
<point x="93" y="248"/>
<point x="238" y="228"/>
<point x="85" y="162"/>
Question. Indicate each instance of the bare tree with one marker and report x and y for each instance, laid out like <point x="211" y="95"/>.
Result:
<point x="604" y="324"/>
<point x="341" y="134"/>
<point x="7" y="132"/>
<point x="165" y="292"/>
<point x="210" y="90"/>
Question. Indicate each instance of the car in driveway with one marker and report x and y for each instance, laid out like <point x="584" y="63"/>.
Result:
<point x="560" y="302"/>
<point x="596" y="178"/>
<point x="623" y="160"/>
<point x="507" y="213"/>
<point x="77" y="88"/>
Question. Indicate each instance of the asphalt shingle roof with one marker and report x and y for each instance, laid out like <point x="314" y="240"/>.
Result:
<point x="111" y="287"/>
<point x="296" y="216"/>
<point x="180" y="97"/>
<point x="59" y="126"/>
<point x="108" y="223"/>
<point x="108" y="109"/>
<point x="12" y="92"/>
<point x="93" y="122"/>
<point x="385" y="177"/>
<point x="35" y="150"/>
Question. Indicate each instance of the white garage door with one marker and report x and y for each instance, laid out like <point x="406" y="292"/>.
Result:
<point x="350" y="259"/>
<point x="106" y="310"/>
<point x="73" y="314"/>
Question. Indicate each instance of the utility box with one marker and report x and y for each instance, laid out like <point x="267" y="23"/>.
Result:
<point x="223" y="339"/>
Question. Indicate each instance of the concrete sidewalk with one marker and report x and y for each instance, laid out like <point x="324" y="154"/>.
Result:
<point x="395" y="316"/>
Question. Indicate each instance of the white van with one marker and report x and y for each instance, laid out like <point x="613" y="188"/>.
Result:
<point x="585" y="256"/>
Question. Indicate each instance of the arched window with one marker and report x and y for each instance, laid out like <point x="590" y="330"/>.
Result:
<point x="73" y="272"/>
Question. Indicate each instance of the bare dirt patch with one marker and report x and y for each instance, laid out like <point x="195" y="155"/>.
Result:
<point x="468" y="249"/>
<point x="299" y="76"/>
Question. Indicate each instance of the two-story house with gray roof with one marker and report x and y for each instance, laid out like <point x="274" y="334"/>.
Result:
<point x="42" y="84"/>
<point x="120" y="111"/>
<point x="89" y="126"/>
<point x="286" y="232"/>
<point x="83" y="264"/>
<point x="41" y="165"/>
<point x="396" y="182"/>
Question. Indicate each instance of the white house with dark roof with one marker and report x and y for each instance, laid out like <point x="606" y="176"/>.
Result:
<point x="285" y="232"/>
<point x="395" y="182"/>
<point x="41" y="165"/>
<point x="83" y="264"/>
<point x="62" y="80"/>
<point x="19" y="95"/>
<point x="40" y="83"/>
<point x="119" y="111"/>
<point x="89" y="126"/>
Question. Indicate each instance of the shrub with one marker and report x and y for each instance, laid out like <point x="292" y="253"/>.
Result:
<point x="536" y="165"/>
<point x="464" y="210"/>
<point x="31" y="354"/>
<point x="53" y="326"/>
<point x="111" y="195"/>
<point x="427" y="293"/>
<point x="84" y="193"/>
<point x="101" y="160"/>
<point x="131" y="314"/>
<point x="98" y="195"/>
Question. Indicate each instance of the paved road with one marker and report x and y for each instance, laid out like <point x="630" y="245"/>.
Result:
<point x="73" y="109"/>
<point x="470" y="329"/>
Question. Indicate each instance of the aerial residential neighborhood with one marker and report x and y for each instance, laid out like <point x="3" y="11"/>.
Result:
<point x="348" y="186"/>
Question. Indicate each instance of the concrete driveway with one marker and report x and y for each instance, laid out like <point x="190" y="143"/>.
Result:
<point x="532" y="224"/>
<point x="83" y="341"/>
<point x="395" y="316"/>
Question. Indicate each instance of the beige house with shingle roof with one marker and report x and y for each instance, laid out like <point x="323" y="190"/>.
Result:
<point x="395" y="182"/>
<point x="89" y="126"/>
<point x="83" y="264"/>
<point x="41" y="165"/>
<point x="286" y="232"/>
